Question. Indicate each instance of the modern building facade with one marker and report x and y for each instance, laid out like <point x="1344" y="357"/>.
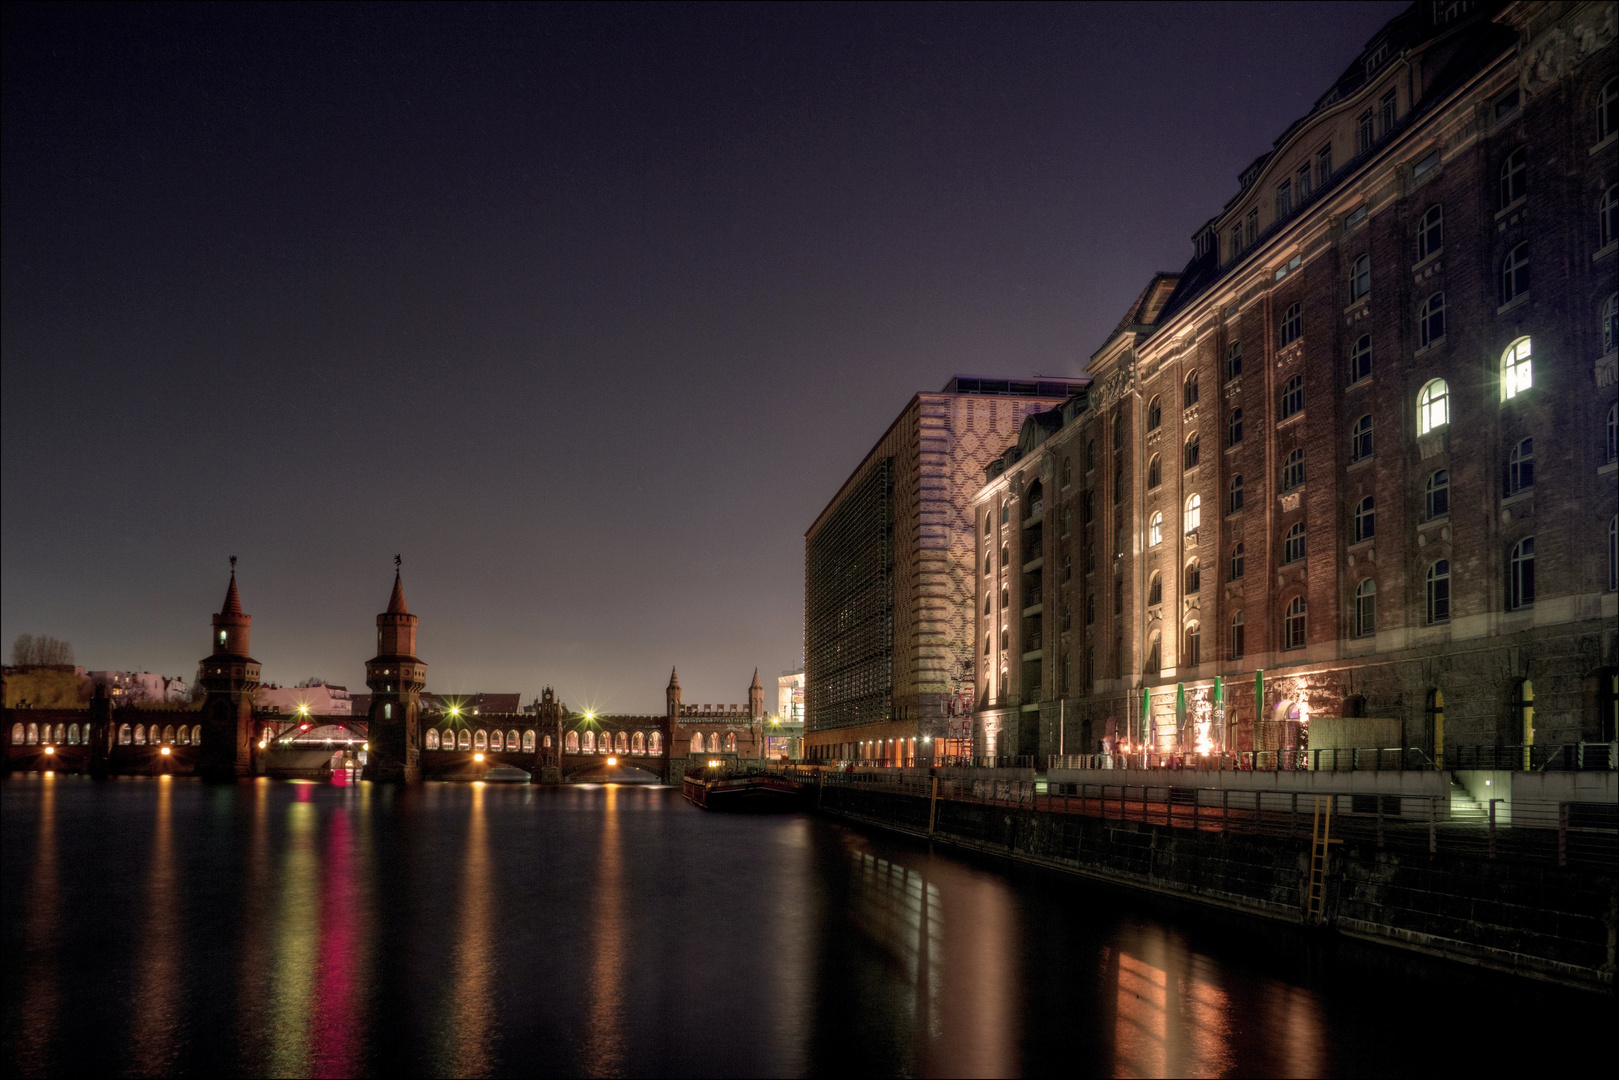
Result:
<point x="888" y="581"/>
<point x="1363" y="443"/>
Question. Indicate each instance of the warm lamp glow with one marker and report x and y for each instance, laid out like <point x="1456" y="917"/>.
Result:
<point x="165" y="751"/>
<point x="477" y="757"/>
<point x="612" y="761"/>
<point x="50" y="749"/>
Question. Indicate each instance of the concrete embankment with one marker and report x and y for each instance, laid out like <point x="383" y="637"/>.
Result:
<point x="1543" y="921"/>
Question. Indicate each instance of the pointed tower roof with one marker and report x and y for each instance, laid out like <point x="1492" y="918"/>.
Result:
<point x="396" y="602"/>
<point x="755" y="684"/>
<point x="233" y="603"/>
<point x="674" y="680"/>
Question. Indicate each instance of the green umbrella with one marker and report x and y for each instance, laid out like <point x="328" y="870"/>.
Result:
<point x="1180" y="713"/>
<point x="1146" y="713"/>
<point x="1219" y="691"/>
<point x="1259" y="695"/>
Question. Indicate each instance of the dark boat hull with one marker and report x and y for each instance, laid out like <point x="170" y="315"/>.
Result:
<point x="743" y="793"/>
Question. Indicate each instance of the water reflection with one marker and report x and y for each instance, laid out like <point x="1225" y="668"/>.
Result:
<point x="155" y="1031"/>
<point x="42" y="992"/>
<point x="603" y="1050"/>
<point x="344" y="953"/>
<point x="255" y="967"/>
<point x="296" y="940"/>
<point x="468" y="1048"/>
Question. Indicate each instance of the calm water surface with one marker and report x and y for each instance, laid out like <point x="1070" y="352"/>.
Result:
<point x="158" y="926"/>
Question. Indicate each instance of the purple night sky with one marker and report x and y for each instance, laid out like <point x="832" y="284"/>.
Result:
<point x="585" y="311"/>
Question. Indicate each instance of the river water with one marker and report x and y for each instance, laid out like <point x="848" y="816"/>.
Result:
<point x="159" y="926"/>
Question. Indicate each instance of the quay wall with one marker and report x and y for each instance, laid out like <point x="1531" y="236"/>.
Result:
<point x="1542" y="921"/>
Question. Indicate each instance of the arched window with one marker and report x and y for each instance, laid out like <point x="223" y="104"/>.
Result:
<point x="1155" y="654"/>
<point x="1431" y="319"/>
<point x="1006" y="640"/>
<point x="697" y="742"/>
<point x="1189" y="391"/>
<point x="1118" y="433"/>
<point x="511" y="740"/>
<point x="1521" y="467"/>
<point x="1366" y="608"/>
<point x="1433" y="406"/>
<point x="73" y="734"/>
<point x="1293" y="469"/>
<point x="1608" y="216"/>
<point x="1521" y="574"/>
<point x="480" y="740"/>
<point x="1155" y="472"/>
<point x="713" y="742"/>
<point x="1293" y="544"/>
<point x="140" y="734"/>
<point x="621" y="743"/>
<point x="1610" y="323"/>
<point x="1360" y="277"/>
<point x="1613" y="432"/>
<point x="1090" y="454"/>
<point x="1006" y="555"/>
<point x="168" y="733"/>
<point x="1155" y="589"/>
<point x="1233" y="428"/>
<point x="196" y="735"/>
<point x="1608" y="109"/>
<point x="1234" y="495"/>
<point x="1155" y="414"/>
<point x="986" y="644"/>
<point x="1365" y="519"/>
<point x="1613" y="553"/>
<point x="1431" y="233"/>
<point x="1292" y="396"/>
<point x="17" y="736"/>
<point x="1155" y="529"/>
<point x="654" y="743"/>
<point x="463" y="739"/>
<point x="1517" y="369"/>
<point x="1067" y="567"/>
<point x="1437" y="498"/>
<point x="125" y="737"/>
<point x="1006" y="511"/>
<point x="1118" y="483"/>
<point x="1236" y="562"/>
<point x="1194" y="578"/>
<point x="528" y="740"/>
<point x="1006" y="598"/>
<point x="1193" y="651"/>
<point x="1360" y="359"/>
<point x="638" y="743"/>
<point x="570" y="742"/>
<point x="1515" y="273"/>
<point x="1360" y="438"/>
<point x="1292" y="325"/>
<point x="1514" y="172"/>
<point x="497" y="740"/>
<point x="183" y="735"/>
<point x="1293" y="624"/>
<point x="1191" y="454"/>
<point x="730" y="742"/>
<point x="1234" y="642"/>
<point x="1438" y="590"/>
<point x="989" y="563"/>
<point x="1194" y="513"/>
<point x="33" y="734"/>
<point x="1233" y="361"/>
<point x="989" y="603"/>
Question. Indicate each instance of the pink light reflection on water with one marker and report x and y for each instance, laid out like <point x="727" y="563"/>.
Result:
<point x="334" y="1046"/>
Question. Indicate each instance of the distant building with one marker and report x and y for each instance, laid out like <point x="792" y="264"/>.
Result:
<point x="312" y="698"/>
<point x="472" y="704"/>
<point x="785" y="735"/>
<point x="141" y="687"/>
<point x="889" y="576"/>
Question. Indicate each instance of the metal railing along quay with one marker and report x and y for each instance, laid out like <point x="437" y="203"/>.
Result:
<point x="1565" y="833"/>
<point x="1565" y="757"/>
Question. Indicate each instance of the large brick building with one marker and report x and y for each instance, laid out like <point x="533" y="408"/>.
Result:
<point x="888" y="575"/>
<point x="1364" y="441"/>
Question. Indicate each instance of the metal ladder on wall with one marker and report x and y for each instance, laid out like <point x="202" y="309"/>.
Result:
<point x="1320" y="844"/>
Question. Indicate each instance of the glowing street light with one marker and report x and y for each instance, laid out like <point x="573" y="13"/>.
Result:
<point x="455" y="710"/>
<point x="477" y="757"/>
<point x="612" y="761"/>
<point x="50" y="749"/>
<point x="164" y="751"/>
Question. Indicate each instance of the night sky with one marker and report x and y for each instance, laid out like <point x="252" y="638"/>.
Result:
<point x="586" y="312"/>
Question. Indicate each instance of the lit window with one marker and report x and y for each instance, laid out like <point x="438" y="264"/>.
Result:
<point x="1234" y="646"/>
<point x="432" y="738"/>
<point x="1521" y="467"/>
<point x="1517" y="372"/>
<point x="1189" y="391"/>
<point x="1194" y="646"/>
<point x="1360" y="359"/>
<point x="1194" y="513"/>
<point x="1292" y="325"/>
<point x="1366" y="608"/>
<point x="1155" y="414"/>
<point x="1233" y="428"/>
<point x="1292" y="396"/>
<point x="1521" y="574"/>
<point x="1438" y="495"/>
<point x="1438" y="590"/>
<point x="1155" y="590"/>
<point x="1236" y="562"/>
<point x="1233" y="361"/>
<point x="1234" y="495"/>
<point x="1515" y="273"/>
<point x="1365" y="519"/>
<point x="1293" y="544"/>
<point x="1431" y="319"/>
<point x="1514" y="172"/>
<point x="1293" y="470"/>
<point x="1431" y="233"/>
<point x="1293" y="624"/>
<point x="1433" y="406"/>
<point x="1155" y="529"/>
<point x="1155" y="472"/>
<point x="1191" y="453"/>
<point x="1360" y="277"/>
<point x="1360" y="439"/>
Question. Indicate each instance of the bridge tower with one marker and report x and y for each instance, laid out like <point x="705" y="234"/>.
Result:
<point x="547" y="768"/>
<point x="396" y="678"/>
<point x="756" y="698"/>
<point x="671" y="698"/>
<point x="230" y="679"/>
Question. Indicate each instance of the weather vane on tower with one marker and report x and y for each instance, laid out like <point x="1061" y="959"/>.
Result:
<point x="233" y="564"/>
<point x="397" y="561"/>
